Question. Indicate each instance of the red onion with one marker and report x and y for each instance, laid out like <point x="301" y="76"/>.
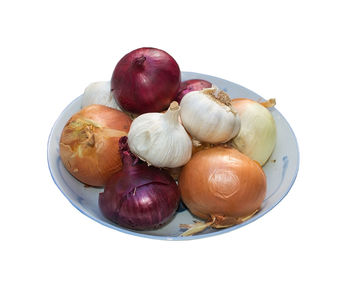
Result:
<point x="139" y="197"/>
<point x="145" y="80"/>
<point x="191" y="85"/>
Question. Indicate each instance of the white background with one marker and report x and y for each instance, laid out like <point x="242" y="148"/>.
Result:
<point x="295" y="51"/>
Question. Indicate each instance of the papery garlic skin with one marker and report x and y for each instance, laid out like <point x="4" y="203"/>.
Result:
<point x="160" y="139"/>
<point x="257" y="136"/>
<point x="207" y="117"/>
<point x="99" y="93"/>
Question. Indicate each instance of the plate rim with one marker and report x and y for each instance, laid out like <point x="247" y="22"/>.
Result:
<point x="179" y="238"/>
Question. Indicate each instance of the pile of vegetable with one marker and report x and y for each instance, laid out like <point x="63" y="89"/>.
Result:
<point x="149" y="140"/>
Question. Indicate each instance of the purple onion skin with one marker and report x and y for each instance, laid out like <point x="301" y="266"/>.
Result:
<point x="139" y="197"/>
<point x="146" y="80"/>
<point x="191" y="85"/>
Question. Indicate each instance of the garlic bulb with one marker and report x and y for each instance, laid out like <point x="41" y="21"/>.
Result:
<point x="99" y="93"/>
<point x="257" y="136"/>
<point x="160" y="139"/>
<point x="208" y="116"/>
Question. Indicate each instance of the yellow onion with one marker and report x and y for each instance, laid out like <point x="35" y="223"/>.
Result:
<point x="89" y="143"/>
<point x="223" y="186"/>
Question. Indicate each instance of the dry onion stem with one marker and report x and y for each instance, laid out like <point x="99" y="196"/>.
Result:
<point x="269" y="103"/>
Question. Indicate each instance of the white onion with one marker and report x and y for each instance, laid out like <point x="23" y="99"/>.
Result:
<point x="257" y="136"/>
<point x="99" y="93"/>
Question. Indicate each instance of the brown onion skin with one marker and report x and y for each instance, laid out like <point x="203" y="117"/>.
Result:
<point x="99" y="155"/>
<point x="222" y="183"/>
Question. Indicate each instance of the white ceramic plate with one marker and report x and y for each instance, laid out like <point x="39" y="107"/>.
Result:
<point x="281" y="171"/>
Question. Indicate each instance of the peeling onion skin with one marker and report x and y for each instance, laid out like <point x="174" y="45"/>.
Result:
<point x="139" y="197"/>
<point x="223" y="184"/>
<point x="89" y="143"/>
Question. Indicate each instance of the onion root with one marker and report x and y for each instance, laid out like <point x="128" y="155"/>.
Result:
<point x="217" y="222"/>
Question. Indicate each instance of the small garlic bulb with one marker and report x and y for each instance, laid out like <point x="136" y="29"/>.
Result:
<point x="257" y="136"/>
<point x="99" y="93"/>
<point x="208" y="116"/>
<point x="160" y="139"/>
